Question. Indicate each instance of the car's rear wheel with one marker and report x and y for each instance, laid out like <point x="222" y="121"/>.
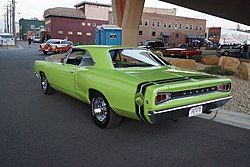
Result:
<point x="46" y="88"/>
<point x="102" y="114"/>
<point x="45" y="52"/>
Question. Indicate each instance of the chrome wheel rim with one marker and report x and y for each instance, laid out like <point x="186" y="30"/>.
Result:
<point x="44" y="83"/>
<point x="100" y="109"/>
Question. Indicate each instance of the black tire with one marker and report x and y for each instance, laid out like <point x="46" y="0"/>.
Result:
<point x="226" y="53"/>
<point x="102" y="114"/>
<point x="45" y="52"/>
<point x="46" y="88"/>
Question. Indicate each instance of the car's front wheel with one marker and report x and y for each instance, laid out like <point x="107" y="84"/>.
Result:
<point x="46" y="88"/>
<point x="102" y="114"/>
<point x="226" y="53"/>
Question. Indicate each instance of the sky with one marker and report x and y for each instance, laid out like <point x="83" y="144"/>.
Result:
<point x="35" y="8"/>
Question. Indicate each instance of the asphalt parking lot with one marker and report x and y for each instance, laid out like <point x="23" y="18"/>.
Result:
<point x="39" y="130"/>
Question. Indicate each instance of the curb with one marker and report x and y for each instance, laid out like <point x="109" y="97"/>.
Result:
<point x="228" y="117"/>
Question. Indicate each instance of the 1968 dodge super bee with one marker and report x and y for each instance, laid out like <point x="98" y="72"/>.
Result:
<point x="131" y="82"/>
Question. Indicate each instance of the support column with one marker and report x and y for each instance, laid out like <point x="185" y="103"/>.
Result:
<point x="127" y="15"/>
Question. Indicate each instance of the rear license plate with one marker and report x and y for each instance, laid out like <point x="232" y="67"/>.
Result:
<point x="195" y="111"/>
<point x="172" y="54"/>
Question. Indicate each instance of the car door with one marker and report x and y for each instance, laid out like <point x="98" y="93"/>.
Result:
<point x="64" y="73"/>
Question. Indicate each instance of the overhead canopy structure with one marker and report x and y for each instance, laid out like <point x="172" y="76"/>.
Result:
<point x="165" y="34"/>
<point x="237" y="11"/>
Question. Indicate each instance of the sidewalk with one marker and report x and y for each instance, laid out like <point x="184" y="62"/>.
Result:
<point x="14" y="47"/>
<point x="228" y="117"/>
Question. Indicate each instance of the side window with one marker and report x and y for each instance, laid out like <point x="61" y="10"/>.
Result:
<point x="75" y="57"/>
<point x="225" y="47"/>
<point x="87" y="60"/>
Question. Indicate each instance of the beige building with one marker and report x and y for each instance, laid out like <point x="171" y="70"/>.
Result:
<point x="94" y="11"/>
<point x="160" y="11"/>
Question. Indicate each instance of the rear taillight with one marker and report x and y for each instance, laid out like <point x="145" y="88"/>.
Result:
<point x="224" y="87"/>
<point x="162" y="97"/>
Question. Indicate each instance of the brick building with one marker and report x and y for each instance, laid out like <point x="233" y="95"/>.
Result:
<point x="77" y="25"/>
<point x="164" y="25"/>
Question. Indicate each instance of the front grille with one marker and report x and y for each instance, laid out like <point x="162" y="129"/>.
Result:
<point x="193" y="92"/>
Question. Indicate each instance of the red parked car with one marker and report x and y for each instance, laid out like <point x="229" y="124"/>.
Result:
<point x="183" y="51"/>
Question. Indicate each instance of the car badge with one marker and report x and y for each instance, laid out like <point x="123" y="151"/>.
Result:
<point x="139" y="99"/>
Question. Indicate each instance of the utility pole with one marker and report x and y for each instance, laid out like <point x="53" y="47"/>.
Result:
<point x="7" y="21"/>
<point x="10" y="19"/>
<point x="13" y="18"/>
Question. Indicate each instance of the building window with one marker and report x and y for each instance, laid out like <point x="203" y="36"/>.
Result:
<point x="153" y="23"/>
<point x="180" y="26"/>
<point x="70" y="32"/>
<point x="146" y="23"/>
<point x="113" y="36"/>
<point x="197" y="28"/>
<point x="153" y="33"/>
<point x="191" y="27"/>
<point x="20" y="27"/>
<point x="89" y="24"/>
<point x="176" y="26"/>
<point x="177" y="35"/>
<point x="169" y="25"/>
<point x="79" y="33"/>
<point x="88" y="34"/>
<point x="47" y="22"/>
<point x="60" y="32"/>
<point x="187" y="26"/>
<point x="201" y="28"/>
<point x="32" y="27"/>
<point x="83" y="23"/>
<point x="165" y="25"/>
<point x="93" y="24"/>
<point x="141" y="23"/>
<point x="140" y="32"/>
<point x="158" y="24"/>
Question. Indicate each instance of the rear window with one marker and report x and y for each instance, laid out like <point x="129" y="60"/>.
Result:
<point x="124" y="58"/>
<point x="53" y="42"/>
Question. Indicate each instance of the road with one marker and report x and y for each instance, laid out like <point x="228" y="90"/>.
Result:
<point x="57" y="130"/>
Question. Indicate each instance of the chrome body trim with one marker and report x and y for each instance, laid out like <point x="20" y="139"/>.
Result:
<point x="191" y="105"/>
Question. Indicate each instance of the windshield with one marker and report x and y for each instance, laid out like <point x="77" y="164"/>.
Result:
<point x="123" y="58"/>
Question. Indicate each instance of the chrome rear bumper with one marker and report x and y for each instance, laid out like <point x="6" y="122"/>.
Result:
<point x="172" y="113"/>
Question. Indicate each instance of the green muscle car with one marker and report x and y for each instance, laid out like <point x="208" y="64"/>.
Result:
<point x="131" y="82"/>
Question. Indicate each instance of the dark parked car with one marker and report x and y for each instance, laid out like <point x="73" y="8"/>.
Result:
<point x="153" y="45"/>
<point x="229" y="49"/>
